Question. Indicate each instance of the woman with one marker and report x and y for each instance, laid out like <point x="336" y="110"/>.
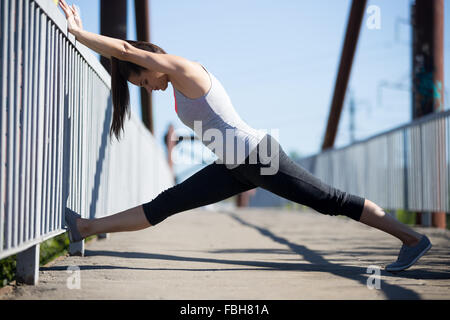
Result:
<point x="202" y="103"/>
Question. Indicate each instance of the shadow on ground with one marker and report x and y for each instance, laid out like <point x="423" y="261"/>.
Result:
<point x="316" y="263"/>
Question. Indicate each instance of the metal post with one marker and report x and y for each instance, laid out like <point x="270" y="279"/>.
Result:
<point x="113" y="23"/>
<point x="27" y="266"/>
<point x="345" y="66"/>
<point x="76" y="248"/>
<point x="141" y="8"/>
<point x="428" y="72"/>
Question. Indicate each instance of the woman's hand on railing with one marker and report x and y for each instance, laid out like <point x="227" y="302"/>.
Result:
<point x="73" y="17"/>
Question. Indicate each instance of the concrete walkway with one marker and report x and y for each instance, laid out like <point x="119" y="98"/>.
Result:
<point x="246" y="254"/>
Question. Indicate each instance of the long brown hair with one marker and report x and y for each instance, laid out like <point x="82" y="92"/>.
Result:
<point x="120" y="72"/>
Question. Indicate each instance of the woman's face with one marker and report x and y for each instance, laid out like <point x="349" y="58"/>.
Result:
<point x="150" y="80"/>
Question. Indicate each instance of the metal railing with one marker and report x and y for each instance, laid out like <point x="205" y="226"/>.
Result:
<point x="404" y="168"/>
<point x="55" y="149"/>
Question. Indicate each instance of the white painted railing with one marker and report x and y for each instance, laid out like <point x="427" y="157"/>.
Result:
<point x="55" y="149"/>
<point x="405" y="168"/>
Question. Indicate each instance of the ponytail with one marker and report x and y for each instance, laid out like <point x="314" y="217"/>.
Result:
<point x="120" y="98"/>
<point x="120" y="72"/>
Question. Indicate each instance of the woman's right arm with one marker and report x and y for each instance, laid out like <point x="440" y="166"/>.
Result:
<point x="106" y="46"/>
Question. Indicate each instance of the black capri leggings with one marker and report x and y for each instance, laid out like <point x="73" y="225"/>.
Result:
<point x="217" y="182"/>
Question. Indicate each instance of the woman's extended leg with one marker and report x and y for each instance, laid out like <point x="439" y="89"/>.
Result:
<point x="295" y="183"/>
<point x="132" y="219"/>
<point x="209" y="185"/>
<point x="374" y="216"/>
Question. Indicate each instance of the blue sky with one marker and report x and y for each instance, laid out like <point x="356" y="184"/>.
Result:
<point x="278" y="62"/>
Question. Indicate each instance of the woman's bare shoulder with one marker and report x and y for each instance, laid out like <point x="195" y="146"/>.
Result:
<point x="192" y="80"/>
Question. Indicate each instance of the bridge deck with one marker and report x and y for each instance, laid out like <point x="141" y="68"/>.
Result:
<point x="246" y="254"/>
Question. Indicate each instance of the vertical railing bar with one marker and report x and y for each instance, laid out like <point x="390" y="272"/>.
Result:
<point x="447" y="164"/>
<point x="16" y="125"/>
<point x="442" y="166"/>
<point x="434" y="168"/>
<point x="28" y="180"/>
<point x="397" y="169"/>
<point x="84" y="146"/>
<point x="424" y="167"/>
<point x="413" y="185"/>
<point x="93" y="107"/>
<point x="54" y="106"/>
<point x="441" y="163"/>
<point x="63" y="129"/>
<point x="45" y="128"/>
<point x="415" y="145"/>
<point x="59" y="131"/>
<point x="74" y="130"/>
<point x="72" y="88"/>
<point x="48" y="117"/>
<point x="3" y="119"/>
<point x="393" y="188"/>
<point x="40" y="220"/>
<point x="35" y="124"/>
<point x="89" y="133"/>
<point x="82" y="136"/>
<point x="77" y="132"/>
<point x="79" y="95"/>
<point x="89" y="113"/>
<point x="50" y="144"/>
<point x="10" y="132"/>
<point x="55" y="110"/>
<point x="438" y="165"/>
<point x="25" y="128"/>
<point x="28" y="208"/>
<point x="64" y="142"/>
<point x="93" y="152"/>
<point x="447" y="148"/>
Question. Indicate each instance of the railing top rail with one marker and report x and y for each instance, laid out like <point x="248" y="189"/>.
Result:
<point x="55" y="14"/>
<point x="426" y="118"/>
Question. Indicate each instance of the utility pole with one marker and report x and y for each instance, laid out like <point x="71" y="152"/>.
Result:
<point x="427" y="18"/>
<point x="141" y="8"/>
<point x="113" y="23"/>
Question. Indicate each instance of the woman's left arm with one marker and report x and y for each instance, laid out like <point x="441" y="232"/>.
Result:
<point x="106" y="46"/>
<point x="120" y="49"/>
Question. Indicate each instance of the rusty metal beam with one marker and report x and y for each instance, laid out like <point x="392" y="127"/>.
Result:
<point x="428" y="57"/>
<point x="141" y="8"/>
<point x="345" y="66"/>
<point x="113" y="23"/>
<point x="427" y="17"/>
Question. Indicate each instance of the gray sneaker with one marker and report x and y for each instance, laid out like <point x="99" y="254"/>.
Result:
<point x="409" y="255"/>
<point x="71" y="218"/>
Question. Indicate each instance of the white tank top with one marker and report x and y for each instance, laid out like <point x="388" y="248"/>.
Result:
<point x="216" y="123"/>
